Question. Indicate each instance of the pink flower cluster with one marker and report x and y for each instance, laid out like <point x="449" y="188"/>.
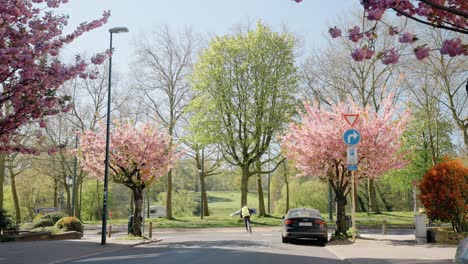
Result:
<point x="454" y="47"/>
<point x="140" y="154"/>
<point x="390" y="57"/>
<point x="422" y="52"/>
<point x="407" y="38"/>
<point x="30" y="71"/>
<point x="316" y="155"/>
<point x="354" y="34"/>
<point x="447" y="14"/>
<point x="335" y="32"/>
<point x="361" y="54"/>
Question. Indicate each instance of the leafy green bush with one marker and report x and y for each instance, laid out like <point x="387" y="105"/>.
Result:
<point x="51" y="229"/>
<point x="182" y="202"/>
<point x="69" y="223"/>
<point x="54" y="216"/>
<point x="37" y="217"/>
<point x="43" y="223"/>
<point x="312" y="193"/>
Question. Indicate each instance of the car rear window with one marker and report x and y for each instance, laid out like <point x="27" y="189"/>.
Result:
<point x="304" y="213"/>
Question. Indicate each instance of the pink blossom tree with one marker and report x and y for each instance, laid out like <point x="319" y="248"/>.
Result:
<point x="316" y="146"/>
<point x="451" y="15"/>
<point x="138" y="156"/>
<point x="31" y="38"/>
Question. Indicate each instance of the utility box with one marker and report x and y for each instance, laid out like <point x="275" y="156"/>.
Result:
<point x="420" y="229"/>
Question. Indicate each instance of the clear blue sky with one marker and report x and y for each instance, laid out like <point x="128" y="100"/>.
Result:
<point x="309" y="19"/>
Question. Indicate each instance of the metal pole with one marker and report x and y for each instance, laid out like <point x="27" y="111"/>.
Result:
<point x="353" y="212"/>
<point x="74" y="178"/>
<point x="330" y="202"/>
<point x="414" y="200"/>
<point x="106" y="169"/>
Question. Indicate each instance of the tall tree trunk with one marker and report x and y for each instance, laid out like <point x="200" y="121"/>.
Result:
<point x="99" y="215"/>
<point x="2" y="177"/>
<point x="356" y="195"/>
<point x="285" y="175"/>
<point x="55" y="193"/>
<point x="261" y="200"/>
<point x="169" y="196"/>
<point x="81" y="196"/>
<point x="137" y="214"/>
<point x="132" y="203"/>
<point x="15" y="196"/>
<point x="373" y="204"/>
<point x="148" y="201"/>
<point x="206" y="210"/>
<point x="204" y="196"/>
<point x="341" y="202"/>
<point x="244" y="185"/>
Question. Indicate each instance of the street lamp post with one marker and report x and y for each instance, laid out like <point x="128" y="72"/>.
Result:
<point x="69" y="182"/>
<point x="74" y="179"/>
<point x="106" y="169"/>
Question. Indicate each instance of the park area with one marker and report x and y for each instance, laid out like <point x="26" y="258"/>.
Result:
<point x="364" y="119"/>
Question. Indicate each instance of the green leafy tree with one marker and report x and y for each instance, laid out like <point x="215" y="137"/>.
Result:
<point x="427" y="140"/>
<point x="245" y="85"/>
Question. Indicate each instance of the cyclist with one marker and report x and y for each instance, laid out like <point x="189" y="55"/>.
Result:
<point x="245" y="213"/>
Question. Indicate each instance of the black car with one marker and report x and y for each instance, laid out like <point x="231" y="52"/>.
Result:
<point x="304" y="223"/>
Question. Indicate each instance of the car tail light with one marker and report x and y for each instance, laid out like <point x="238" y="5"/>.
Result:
<point x="288" y="222"/>
<point x="320" y="222"/>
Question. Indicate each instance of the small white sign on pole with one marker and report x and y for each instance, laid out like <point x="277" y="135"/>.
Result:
<point x="352" y="155"/>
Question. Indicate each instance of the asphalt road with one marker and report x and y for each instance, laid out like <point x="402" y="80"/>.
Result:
<point x="219" y="247"/>
<point x="225" y="246"/>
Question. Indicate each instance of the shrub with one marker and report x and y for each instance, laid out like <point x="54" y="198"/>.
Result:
<point x="7" y="227"/>
<point x="444" y="189"/>
<point x="37" y="217"/>
<point x="55" y="216"/>
<point x="43" y="223"/>
<point x="69" y="223"/>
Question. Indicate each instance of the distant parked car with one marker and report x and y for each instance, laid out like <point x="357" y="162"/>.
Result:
<point x="251" y="210"/>
<point x="304" y="223"/>
<point x="157" y="211"/>
<point x="461" y="256"/>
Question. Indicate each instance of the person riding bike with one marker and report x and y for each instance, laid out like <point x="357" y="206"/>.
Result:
<point x="245" y="213"/>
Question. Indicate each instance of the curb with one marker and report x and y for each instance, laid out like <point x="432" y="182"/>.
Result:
<point x="146" y="242"/>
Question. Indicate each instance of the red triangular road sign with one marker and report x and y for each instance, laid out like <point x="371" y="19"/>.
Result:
<point x="351" y="118"/>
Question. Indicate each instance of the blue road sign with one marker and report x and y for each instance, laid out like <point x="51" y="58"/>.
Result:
<point x="351" y="137"/>
<point x="352" y="167"/>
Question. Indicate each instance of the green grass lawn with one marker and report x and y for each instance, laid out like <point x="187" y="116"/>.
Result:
<point x="222" y="204"/>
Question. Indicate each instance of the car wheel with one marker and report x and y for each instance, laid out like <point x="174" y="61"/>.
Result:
<point x="284" y="239"/>
<point x="323" y="241"/>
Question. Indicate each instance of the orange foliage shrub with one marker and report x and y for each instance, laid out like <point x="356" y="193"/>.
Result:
<point x="444" y="193"/>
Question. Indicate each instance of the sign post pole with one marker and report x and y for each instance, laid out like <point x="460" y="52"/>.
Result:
<point x="353" y="212"/>
<point x="351" y="137"/>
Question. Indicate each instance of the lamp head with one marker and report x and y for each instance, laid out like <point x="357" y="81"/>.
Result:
<point x="118" y="30"/>
<point x="69" y="180"/>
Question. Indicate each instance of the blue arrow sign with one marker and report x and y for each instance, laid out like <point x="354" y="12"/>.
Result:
<point x="351" y="137"/>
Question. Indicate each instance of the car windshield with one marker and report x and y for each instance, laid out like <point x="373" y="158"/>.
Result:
<point x="304" y="213"/>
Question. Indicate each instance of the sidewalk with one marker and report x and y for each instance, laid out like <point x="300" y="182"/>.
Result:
<point x="400" y="248"/>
